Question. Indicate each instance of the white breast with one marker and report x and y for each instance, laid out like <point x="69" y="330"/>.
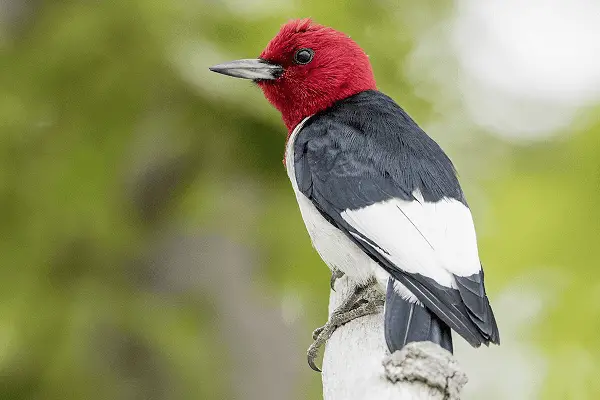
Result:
<point x="333" y="245"/>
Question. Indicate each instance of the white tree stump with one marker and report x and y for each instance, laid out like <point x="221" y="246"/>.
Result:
<point x="357" y="364"/>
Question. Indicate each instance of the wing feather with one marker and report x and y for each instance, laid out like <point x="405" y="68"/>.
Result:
<point x="376" y="176"/>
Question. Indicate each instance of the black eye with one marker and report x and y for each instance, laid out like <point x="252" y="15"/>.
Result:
<point x="304" y="56"/>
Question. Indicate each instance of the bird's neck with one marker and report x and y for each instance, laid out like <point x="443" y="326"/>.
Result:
<point x="294" y="112"/>
<point x="296" y="102"/>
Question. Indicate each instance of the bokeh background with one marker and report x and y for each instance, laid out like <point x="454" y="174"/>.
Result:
<point x="151" y="246"/>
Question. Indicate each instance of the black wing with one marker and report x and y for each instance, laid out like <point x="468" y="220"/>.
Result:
<point x="364" y="151"/>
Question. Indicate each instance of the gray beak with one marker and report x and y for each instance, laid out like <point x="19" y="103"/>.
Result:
<point x="254" y="69"/>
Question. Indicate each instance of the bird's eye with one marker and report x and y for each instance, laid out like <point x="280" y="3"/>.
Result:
<point x="304" y="56"/>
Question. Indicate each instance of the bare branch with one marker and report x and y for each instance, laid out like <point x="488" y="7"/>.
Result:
<point x="358" y="366"/>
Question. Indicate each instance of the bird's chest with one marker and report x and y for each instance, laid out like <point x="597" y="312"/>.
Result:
<point x="333" y="245"/>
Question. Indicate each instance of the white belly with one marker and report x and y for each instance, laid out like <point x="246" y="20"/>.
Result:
<point x="334" y="247"/>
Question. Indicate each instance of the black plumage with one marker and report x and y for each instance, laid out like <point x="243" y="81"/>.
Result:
<point x="365" y="150"/>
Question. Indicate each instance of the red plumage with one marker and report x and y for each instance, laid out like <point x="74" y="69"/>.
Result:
<point x="339" y="69"/>
<point x="355" y="167"/>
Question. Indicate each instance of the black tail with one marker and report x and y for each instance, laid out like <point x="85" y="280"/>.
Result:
<point x="407" y="322"/>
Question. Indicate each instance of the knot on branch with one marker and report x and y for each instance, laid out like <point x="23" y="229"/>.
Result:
<point x="426" y="364"/>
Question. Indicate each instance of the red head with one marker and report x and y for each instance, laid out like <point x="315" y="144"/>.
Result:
<point x="338" y="69"/>
<point x="310" y="68"/>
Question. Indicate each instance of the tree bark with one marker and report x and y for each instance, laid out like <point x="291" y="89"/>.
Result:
<point x="357" y="364"/>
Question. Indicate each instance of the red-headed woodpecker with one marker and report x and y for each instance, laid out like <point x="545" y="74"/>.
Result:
<point x="380" y="199"/>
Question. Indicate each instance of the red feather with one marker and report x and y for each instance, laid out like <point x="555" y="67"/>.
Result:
<point x="339" y="69"/>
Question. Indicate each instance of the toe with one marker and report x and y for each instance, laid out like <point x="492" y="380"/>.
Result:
<point x="311" y="354"/>
<point x="317" y="332"/>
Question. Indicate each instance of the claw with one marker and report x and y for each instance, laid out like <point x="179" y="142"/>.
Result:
<point x="319" y="340"/>
<point x="335" y="275"/>
<point x="358" y="304"/>
<point x="311" y="362"/>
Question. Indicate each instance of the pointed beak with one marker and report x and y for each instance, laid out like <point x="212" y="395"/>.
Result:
<point x="254" y="69"/>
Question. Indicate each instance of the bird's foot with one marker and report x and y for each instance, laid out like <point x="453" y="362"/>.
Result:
<point x="364" y="301"/>
<point x="335" y="275"/>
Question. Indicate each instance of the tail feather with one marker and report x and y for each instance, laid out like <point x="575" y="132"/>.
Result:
<point x="407" y="322"/>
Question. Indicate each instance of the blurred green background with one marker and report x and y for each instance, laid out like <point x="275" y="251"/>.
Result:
<point x="151" y="246"/>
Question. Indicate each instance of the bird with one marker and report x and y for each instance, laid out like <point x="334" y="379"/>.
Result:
<point x="380" y="199"/>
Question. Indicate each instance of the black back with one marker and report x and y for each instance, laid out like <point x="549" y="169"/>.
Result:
<point x="369" y="137"/>
<point x="365" y="150"/>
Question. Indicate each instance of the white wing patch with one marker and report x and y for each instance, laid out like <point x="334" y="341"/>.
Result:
<point x="435" y="240"/>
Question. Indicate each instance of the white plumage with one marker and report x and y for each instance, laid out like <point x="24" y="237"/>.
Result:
<point x="334" y="247"/>
<point x="435" y="240"/>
